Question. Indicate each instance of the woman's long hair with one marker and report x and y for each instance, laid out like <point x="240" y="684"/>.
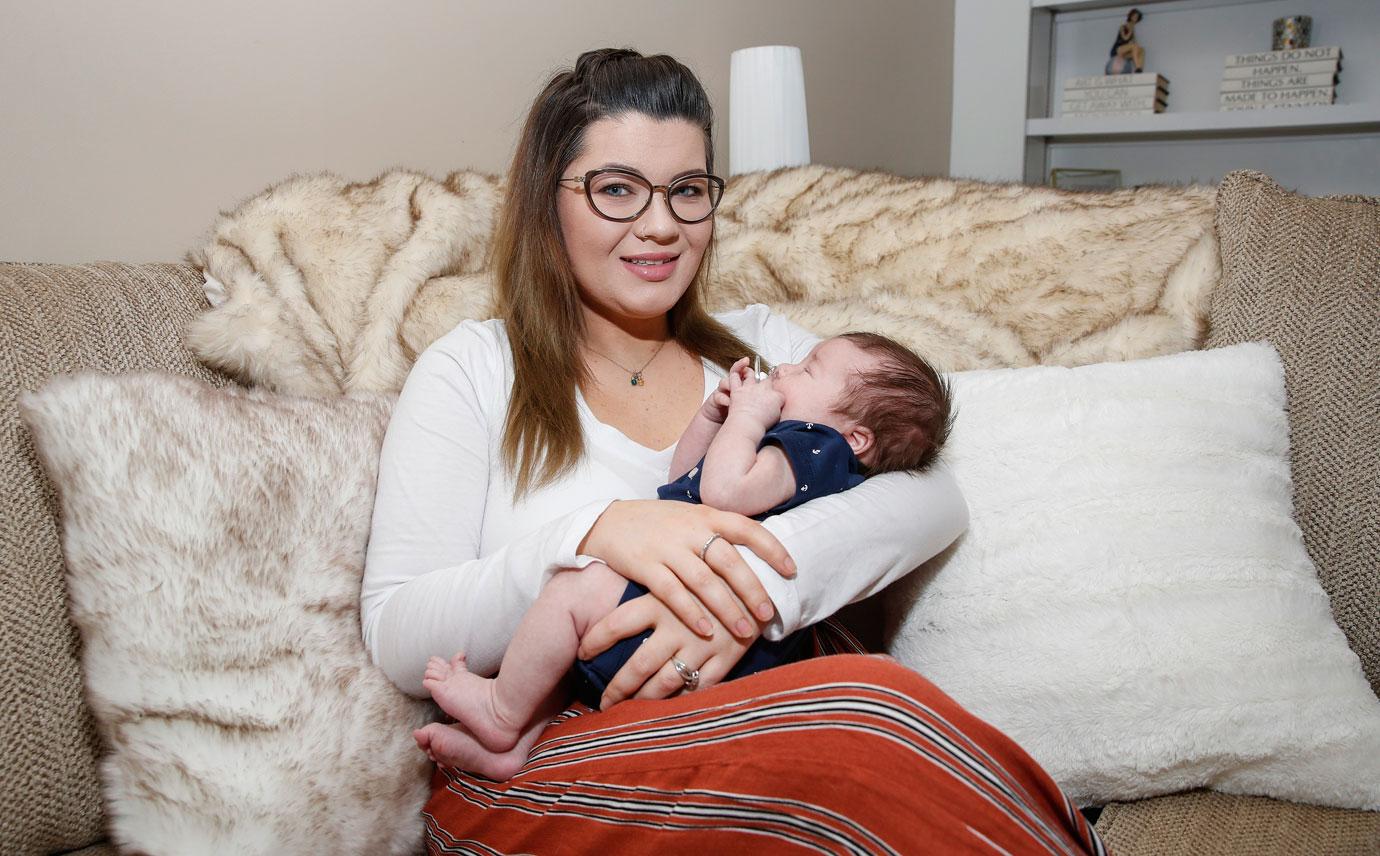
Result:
<point x="538" y="297"/>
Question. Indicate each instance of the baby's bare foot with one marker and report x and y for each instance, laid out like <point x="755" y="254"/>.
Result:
<point x="471" y="700"/>
<point x="451" y="746"/>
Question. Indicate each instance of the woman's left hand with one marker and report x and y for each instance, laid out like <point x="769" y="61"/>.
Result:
<point x="648" y="673"/>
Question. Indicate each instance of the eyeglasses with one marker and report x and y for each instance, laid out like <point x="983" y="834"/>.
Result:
<point x="622" y="195"/>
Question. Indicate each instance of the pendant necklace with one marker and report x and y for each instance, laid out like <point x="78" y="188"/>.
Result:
<point x="636" y="379"/>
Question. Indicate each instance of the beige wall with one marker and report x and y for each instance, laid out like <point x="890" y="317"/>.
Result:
<point x="125" y="127"/>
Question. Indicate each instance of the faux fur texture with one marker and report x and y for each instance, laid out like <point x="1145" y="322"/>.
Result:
<point x="972" y="274"/>
<point x="1132" y="601"/>
<point x="214" y="542"/>
<point x="334" y="286"/>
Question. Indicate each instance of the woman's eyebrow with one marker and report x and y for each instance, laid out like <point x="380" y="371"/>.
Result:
<point x="678" y="175"/>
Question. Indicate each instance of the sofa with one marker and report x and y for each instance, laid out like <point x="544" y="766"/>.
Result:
<point x="1206" y="270"/>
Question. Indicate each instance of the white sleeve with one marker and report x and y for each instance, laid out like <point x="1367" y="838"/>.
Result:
<point x="425" y="589"/>
<point x="853" y="544"/>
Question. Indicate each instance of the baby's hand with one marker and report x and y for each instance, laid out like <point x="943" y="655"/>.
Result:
<point x="715" y="407"/>
<point x="757" y="400"/>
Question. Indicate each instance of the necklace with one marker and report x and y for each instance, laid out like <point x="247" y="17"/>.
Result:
<point x="636" y="379"/>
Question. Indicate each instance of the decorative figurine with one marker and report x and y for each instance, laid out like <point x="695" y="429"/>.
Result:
<point x="1127" y="57"/>
<point x="1293" y="32"/>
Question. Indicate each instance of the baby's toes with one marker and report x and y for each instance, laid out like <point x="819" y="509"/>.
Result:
<point x="458" y="661"/>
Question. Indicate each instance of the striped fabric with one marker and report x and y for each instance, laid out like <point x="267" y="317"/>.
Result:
<point x="840" y="754"/>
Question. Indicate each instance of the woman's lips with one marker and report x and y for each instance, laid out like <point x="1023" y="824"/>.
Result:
<point x="653" y="272"/>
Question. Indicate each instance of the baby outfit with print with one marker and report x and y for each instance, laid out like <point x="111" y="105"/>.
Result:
<point x="822" y="463"/>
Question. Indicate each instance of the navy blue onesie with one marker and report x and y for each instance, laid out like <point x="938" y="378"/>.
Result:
<point x="823" y="464"/>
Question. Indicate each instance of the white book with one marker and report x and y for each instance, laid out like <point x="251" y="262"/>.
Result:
<point x="1118" y="104"/>
<point x="1114" y="92"/>
<point x="1303" y="95"/>
<point x="1281" y="69"/>
<point x="1291" y="55"/>
<point x="1141" y="79"/>
<point x="1292" y="81"/>
<point x="1099" y="114"/>
<point x="1320" y="103"/>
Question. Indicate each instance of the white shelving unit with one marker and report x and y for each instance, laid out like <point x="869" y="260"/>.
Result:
<point x="1332" y="118"/>
<point x="1324" y="149"/>
<point x="1015" y="55"/>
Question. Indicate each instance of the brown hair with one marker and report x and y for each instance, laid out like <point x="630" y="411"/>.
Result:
<point x="904" y="401"/>
<point x="537" y="295"/>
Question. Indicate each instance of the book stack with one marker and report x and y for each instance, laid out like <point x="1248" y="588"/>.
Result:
<point x="1292" y="78"/>
<point x="1115" y="95"/>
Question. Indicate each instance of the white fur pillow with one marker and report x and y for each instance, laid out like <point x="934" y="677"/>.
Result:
<point x="215" y="542"/>
<point x="1132" y="602"/>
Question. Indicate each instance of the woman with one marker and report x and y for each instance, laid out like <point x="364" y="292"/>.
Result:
<point x="518" y="450"/>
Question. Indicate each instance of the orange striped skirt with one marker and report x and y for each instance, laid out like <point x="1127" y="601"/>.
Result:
<point x="840" y="754"/>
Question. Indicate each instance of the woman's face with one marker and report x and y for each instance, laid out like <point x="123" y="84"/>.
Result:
<point x="602" y="252"/>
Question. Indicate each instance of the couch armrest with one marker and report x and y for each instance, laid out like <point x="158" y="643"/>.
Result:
<point x="55" y="319"/>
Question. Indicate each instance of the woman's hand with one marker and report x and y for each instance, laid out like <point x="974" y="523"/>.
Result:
<point x="657" y="543"/>
<point x="649" y="672"/>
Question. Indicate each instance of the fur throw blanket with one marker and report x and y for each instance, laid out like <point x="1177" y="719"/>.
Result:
<point x="333" y="287"/>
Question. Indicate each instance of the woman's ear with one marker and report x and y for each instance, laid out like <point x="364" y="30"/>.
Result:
<point x="861" y="440"/>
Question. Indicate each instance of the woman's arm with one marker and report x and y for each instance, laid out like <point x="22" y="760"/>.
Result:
<point x="853" y="544"/>
<point x="426" y="590"/>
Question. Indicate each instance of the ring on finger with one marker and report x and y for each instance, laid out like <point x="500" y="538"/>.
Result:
<point x="688" y="676"/>
<point x="704" y="551"/>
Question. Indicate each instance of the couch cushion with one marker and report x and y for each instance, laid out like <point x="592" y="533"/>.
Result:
<point x="1132" y="601"/>
<point x="1305" y="275"/>
<point x="215" y="543"/>
<point x="53" y="319"/>
<point x="1206" y="823"/>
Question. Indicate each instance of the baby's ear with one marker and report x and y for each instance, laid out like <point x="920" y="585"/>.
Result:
<point x="860" y="439"/>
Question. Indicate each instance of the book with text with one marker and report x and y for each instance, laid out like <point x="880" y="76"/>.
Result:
<point x="1103" y="105"/>
<point x="1102" y="114"/>
<point x="1292" y="81"/>
<point x="1141" y="79"/>
<point x="1281" y="69"/>
<point x="1303" y="95"/>
<point x="1094" y="93"/>
<point x="1292" y="55"/>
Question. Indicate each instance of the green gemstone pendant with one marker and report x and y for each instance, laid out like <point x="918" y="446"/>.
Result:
<point x="636" y="379"/>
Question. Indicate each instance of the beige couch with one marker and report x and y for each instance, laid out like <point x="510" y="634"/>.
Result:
<point x="116" y="317"/>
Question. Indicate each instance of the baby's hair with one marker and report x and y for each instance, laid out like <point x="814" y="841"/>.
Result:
<point x="904" y="401"/>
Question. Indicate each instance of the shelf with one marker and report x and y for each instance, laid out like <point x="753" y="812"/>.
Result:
<point x="1226" y="123"/>
<point x="1061" y="6"/>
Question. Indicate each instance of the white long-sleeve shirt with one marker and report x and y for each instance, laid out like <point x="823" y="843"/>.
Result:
<point x="454" y="562"/>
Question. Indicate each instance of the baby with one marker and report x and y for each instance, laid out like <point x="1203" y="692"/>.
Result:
<point x="858" y="405"/>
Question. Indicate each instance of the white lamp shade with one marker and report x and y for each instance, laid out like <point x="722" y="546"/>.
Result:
<point x="767" y="125"/>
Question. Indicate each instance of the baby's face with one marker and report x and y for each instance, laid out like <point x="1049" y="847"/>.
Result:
<point x="814" y="387"/>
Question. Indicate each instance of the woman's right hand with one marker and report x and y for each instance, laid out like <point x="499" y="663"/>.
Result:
<point x="656" y="543"/>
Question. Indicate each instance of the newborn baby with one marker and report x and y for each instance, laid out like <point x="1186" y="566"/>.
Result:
<point x="858" y="405"/>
